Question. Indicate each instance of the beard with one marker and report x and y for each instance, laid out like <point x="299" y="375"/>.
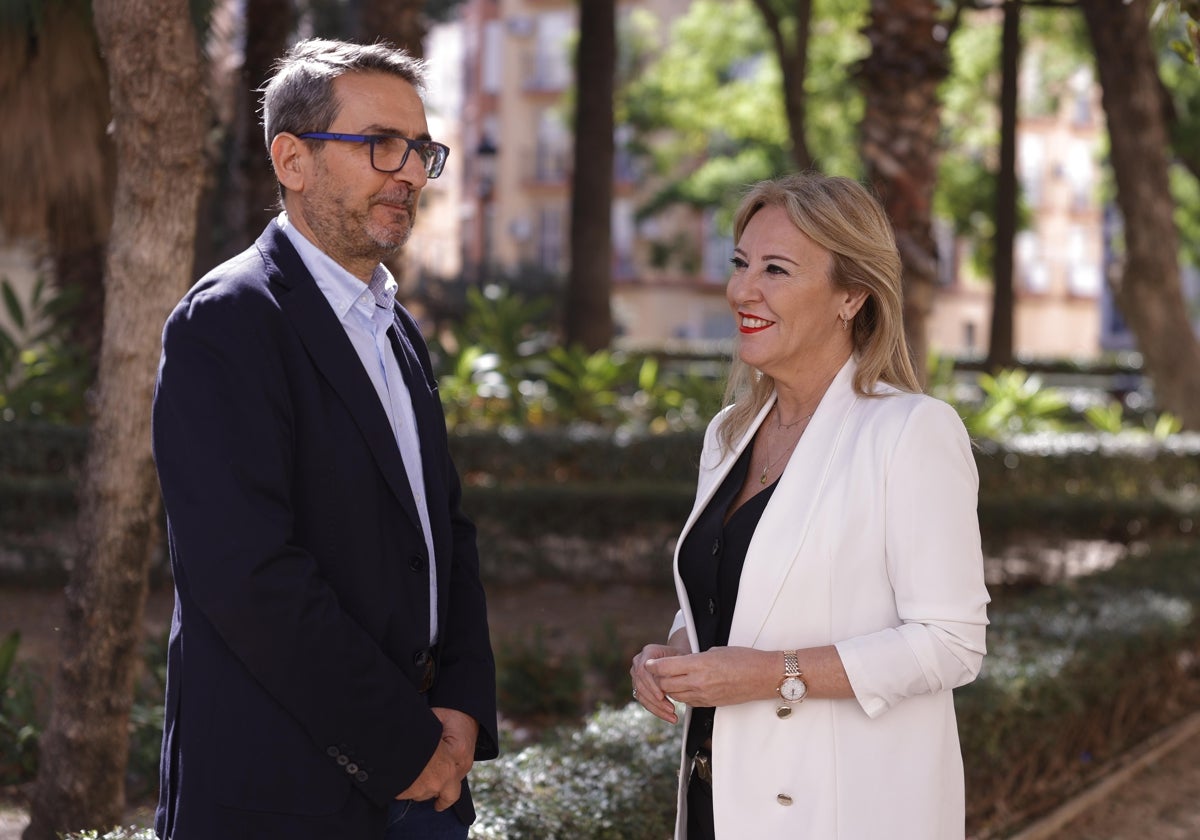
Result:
<point x="359" y="235"/>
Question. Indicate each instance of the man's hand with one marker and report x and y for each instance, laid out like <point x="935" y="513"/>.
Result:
<point x="451" y="761"/>
<point x="459" y="733"/>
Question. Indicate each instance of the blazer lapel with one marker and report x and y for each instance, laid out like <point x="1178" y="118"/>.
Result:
<point x="786" y="521"/>
<point x="334" y="356"/>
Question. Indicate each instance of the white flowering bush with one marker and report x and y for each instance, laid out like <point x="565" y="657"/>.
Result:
<point x="614" y="779"/>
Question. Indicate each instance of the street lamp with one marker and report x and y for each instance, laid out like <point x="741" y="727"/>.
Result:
<point x="485" y="155"/>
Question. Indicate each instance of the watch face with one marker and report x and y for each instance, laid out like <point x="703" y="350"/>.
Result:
<point x="793" y="689"/>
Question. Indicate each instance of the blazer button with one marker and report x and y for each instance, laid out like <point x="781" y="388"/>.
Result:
<point x="343" y="760"/>
<point x="332" y="752"/>
<point x="716" y="549"/>
<point x="421" y="658"/>
<point x="351" y="769"/>
<point x="360" y="776"/>
<point x="783" y="799"/>
<point x="712" y="607"/>
<point x="416" y="563"/>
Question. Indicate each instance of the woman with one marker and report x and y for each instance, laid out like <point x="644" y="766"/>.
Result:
<point x="830" y="576"/>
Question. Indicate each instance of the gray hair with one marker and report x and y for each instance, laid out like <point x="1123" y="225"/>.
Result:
<point x="299" y="97"/>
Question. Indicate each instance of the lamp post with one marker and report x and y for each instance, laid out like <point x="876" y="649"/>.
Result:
<point x="485" y="156"/>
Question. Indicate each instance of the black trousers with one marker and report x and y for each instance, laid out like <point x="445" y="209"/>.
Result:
<point x="700" y="810"/>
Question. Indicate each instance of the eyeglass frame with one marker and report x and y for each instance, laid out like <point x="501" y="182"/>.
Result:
<point x="372" y="139"/>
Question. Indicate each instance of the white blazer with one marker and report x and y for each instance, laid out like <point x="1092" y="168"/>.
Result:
<point x="870" y="543"/>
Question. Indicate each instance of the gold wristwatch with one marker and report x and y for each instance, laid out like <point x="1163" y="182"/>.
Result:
<point x="792" y="688"/>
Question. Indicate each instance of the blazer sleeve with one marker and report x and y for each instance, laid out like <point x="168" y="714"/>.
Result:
<point x="224" y="430"/>
<point x="935" y="564"/>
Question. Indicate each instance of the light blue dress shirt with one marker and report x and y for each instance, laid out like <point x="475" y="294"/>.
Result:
<point x="366" y="314"/>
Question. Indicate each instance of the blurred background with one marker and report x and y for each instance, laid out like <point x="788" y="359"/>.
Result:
<point x="1039" y="161"/>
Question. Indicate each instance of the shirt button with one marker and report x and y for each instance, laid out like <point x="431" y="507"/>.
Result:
<point x="712" y="607"/>
<point x="716" y="549"/>
<point x="783" y="799"/>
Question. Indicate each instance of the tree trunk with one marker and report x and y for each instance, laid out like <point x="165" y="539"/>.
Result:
<point x="793" y="62"/>
<point x="1000" y="340"/>
<point x="588" y="313"/>
<point x="254" y="196"/>
<point x="400" y="21"/>
<point x="158" y="98"/>
<point x="899" y="136"/>
<point x="1147" y="287"/>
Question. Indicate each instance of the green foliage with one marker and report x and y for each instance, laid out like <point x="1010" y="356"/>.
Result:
<point x="1076" y="674"/>
<point x="19" y="722"/>
<point x="1015" y="402"/>
<point x="584" y="386"/>
<point x="530" y="680"/>
<point x="1106" y="418"/>
<point x="708" y="110"/>
<point x="42" y="374"/>
<point x="503" y="369"/>
<point x="614" y="779"/>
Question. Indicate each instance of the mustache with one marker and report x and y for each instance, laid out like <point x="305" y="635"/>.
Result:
<point x="406" y="199"/>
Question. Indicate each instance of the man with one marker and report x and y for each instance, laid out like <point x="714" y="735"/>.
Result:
<point x="330" y="673"/>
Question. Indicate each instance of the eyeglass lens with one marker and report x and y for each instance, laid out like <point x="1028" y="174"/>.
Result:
<point x="388" y="154"/>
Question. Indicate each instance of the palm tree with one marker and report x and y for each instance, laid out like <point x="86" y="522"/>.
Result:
<point x="899" y="137"/>
<point x="56" y="173"/>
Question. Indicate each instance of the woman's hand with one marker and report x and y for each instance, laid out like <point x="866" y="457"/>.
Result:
<point x="646" y="689"/>
<point x="720" y="676"/>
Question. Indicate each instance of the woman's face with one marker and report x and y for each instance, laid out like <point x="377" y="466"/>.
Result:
<point x="786" y="307"/>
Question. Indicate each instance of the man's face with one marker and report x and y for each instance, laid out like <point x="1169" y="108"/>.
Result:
<point x="354" y="213"/>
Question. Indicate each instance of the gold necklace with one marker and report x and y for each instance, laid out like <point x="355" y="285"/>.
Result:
<point x="762" y="479"/>
<point x="779" y="424"/>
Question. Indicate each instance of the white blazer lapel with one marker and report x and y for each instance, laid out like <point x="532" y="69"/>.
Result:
<point x="786" y="521"/>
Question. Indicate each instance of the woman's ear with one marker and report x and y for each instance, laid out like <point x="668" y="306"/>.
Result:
<point x="288" y="156"/>
<point x="855" y="298"/>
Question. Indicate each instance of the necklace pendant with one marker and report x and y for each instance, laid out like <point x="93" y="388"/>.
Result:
<point x="762" y="479"/>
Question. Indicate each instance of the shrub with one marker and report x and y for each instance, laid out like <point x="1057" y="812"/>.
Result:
<point x="614" y="779"/>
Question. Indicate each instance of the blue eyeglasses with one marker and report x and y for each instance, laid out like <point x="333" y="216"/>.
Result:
<point x="389" y="152"/>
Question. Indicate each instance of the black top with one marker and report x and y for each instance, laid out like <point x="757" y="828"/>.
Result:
<point x="710" y="563"/>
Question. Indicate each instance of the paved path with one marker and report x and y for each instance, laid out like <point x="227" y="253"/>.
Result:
<point x="1154" y="796"/>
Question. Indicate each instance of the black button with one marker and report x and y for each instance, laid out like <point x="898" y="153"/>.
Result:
<point x="351" y="769"/>
<point x="712" y="607"/>
<point x="716" y="547"/>
<point x="421" y="658"/>
<point x="416" y="562"/>
<point x="360" y="776"/>
<point x="332" y="752"/>
<point x="343" y="760"/>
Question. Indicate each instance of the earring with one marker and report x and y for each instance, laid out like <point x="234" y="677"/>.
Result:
<point x="844" y="323"/>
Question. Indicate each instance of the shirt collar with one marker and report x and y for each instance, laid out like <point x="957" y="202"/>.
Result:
<point x="341" y="288"/>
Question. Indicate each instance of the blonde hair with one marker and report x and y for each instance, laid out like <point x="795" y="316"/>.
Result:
<point x="841" y="216"/>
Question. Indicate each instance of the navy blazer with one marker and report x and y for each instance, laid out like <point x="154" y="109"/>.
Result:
<point x="302" y="596"/>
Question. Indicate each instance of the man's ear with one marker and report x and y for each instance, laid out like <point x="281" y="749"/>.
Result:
<point x="288" y="156"/>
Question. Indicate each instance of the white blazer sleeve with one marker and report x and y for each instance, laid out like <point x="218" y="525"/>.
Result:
<point x="935" y="565"/>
